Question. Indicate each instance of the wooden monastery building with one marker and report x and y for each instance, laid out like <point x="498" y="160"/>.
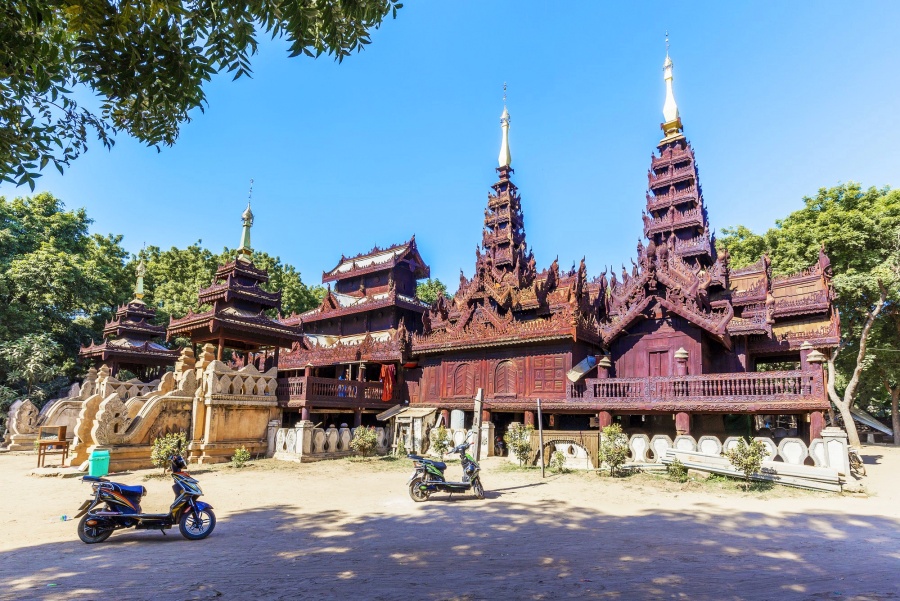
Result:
<point x="678" y="344"/>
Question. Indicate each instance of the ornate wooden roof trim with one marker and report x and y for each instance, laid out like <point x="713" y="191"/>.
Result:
<point x="379" y="259"/>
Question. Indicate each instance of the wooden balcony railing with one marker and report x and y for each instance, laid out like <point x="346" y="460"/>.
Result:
<point x="311" y="388"/>
<point x="756" y="387"/>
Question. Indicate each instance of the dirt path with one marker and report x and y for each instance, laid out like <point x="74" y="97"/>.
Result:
<point x="346" y="530"/>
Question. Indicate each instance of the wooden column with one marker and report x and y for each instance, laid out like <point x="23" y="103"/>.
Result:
<point x="445" y="417"/>
<point x="304" y="412"/>
<point x="816" y="425"/>
<point x="485" y="415"/>
<point x="357" y="418"/>
<point x="529" y="418"/>
<point x="221" y="345"/>
<point x="603" y="367"/>
<point x="681" y="362"/>
<point x="275" y="362"/>
<point x="604" y="418"/>
<point x="682" y="423"/>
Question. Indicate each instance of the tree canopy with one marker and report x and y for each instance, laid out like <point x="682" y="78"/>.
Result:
<point x="146" y="62"/>
<point x="429" y="290"/>
<point x="59" y="284"/>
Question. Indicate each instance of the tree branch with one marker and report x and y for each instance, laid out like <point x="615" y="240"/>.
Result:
<point x="850" y="391"/>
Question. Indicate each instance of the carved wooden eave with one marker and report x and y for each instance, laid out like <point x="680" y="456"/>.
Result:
<point x="331" y="308"/>
<point x="251" y="329"/>
<point x="230" y="290"/>
<point x="369" y="349"/>
<point x="365" y="263"/>
<point x="145" y="352"/>
<point x="241" y="269"/>
<point x="122" y="327"/>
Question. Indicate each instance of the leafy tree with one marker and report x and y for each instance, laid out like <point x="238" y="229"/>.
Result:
<point x="146" y="62"/>
<point x="613" y="449"/>
<point x="518" y="441"/>
<point x="55" y="277"/>
<point x="429" y="290"/>
<point x="164" y="447"/>
<point x="440" y="441"/>
<point x="364" y="440"/>
<point x="747" y="458"/>
<point x="859" y="230"/>
<point x="32" y="360"/>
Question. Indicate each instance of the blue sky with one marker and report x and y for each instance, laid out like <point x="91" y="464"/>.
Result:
<point x="778" y="99"/>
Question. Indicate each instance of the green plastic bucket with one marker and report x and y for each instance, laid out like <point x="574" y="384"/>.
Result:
<point x="99" y="463"/>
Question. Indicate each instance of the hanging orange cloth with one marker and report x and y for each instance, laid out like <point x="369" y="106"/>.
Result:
<point x="387" y="382"/>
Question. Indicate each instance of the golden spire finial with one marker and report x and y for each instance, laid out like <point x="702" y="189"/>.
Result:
<point x="505" y="158"/>
<point x="672" y="124"/>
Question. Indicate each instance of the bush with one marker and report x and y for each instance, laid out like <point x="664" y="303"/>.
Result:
<point x="558" y="462"/>
<point x="240" y="457"/>
<point x="677" y="471"/>
<point x="164" y="447"/>
<point x="401" y="447"/>
<point x="613" y="448"/>
<point x="518" y="441"/>
<point x="440" y="441"/>
<point x="747" y="458"/>
<point x="364" y="440"/>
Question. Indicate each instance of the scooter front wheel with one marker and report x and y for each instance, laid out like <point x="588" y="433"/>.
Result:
<point x="415" y="491"/>
<point x="477" y="488"/>
<point x="199" y="526"/>
<point x="93" y="530"/>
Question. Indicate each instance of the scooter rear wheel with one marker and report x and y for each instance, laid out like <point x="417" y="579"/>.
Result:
<point x="93" y="533"/>
<point x="477" y="488"/>
<point x="416" y="493"/>
<point x="199" y="527"/>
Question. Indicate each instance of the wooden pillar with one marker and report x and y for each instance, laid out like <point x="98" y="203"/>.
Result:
<point x="485" y="415"/>
<point x="603" y="367"/>
<point x="275" y="362"/>
<point x="445" y="417"/>
<point x="221" y="345"/>
<point x="304" y="412"/>
<point x="683" y="423"/>
<point x="681" y="362"/>
<point x="357" y="418"/>
<point x="529" y="418"/>
<point x="604" y="418"/>
<point x="816" y="425"/>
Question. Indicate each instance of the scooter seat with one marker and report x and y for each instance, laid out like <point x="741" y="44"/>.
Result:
<point x="440" y="465"/>
<point x="131" y="491"/>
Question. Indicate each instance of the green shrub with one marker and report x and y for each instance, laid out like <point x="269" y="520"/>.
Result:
<point x="401" y="447"/>
<point x="558" y="462"/>
<point x="364" y="440"/>
<point x="613" y="448"/>
<point x="518" y="441"/>
<point x="240" y="457"/>
<point x="164" y="447"/>
<point x="440" y="441"/>
<point x="677" y="471"/>
<point x="747" y="458"/>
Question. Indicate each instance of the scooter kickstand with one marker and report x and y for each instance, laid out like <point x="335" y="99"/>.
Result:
<point x="163" y="530"/>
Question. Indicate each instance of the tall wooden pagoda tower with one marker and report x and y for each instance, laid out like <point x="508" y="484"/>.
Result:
<point x="237" y="319"/>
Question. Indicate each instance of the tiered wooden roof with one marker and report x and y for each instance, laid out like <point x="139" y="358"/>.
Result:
<point x="238" y="317"/>
<point x="129" y="339"/>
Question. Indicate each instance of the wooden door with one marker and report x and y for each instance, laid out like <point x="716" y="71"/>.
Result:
<point x="659" y="364"/>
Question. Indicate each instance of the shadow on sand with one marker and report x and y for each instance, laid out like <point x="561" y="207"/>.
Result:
<point x="478" y="550"/>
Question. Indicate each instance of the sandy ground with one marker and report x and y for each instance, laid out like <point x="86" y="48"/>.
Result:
<point x="348" y="530"/>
